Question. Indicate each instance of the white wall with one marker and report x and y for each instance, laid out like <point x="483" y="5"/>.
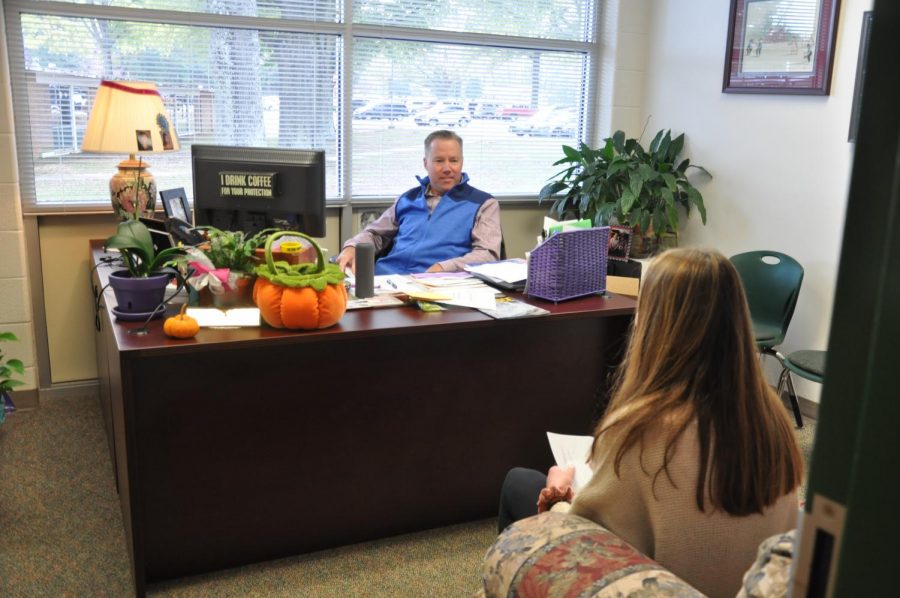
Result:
<point x="781" y="164"/>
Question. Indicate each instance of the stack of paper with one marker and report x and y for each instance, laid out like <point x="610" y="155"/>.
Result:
<point x="569" y="450"/>
<point x="509" y="271"/>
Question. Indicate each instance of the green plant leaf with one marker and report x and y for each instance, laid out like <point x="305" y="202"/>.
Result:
<point x="631" y="145"/>
<point x="664" y="147"/>
<point x="635" y="184"/>
<point x="670" y="181"/>
<point x="8" y="385"/>
<point x="646" y="172"/>
<point x="608" y="151"/>
<point x="8" y="336"/>
<point x="700" y="168"/>
<point x="644" y="222"/>
<point x="667" y="196"/>
<point x="616" y="166"/>
<point x="675" y="148"/>
<point x="659" y="223"/>
<point x="626" y="202"/>
<point x="672" y="213"/>
<point x="683" y="166"/>
<point x="619" y="141"/>
<point x="654" y="145"/>
<point x="16" y="365"/>
<point x="695" y="198"/>
<point x="552" y="189"/>
<point x="571" y="153"/>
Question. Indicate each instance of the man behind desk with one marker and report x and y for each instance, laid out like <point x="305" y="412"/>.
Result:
<point x="438" y="226"/>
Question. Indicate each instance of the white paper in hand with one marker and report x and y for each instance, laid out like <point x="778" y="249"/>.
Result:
<point x="569" y="450"/>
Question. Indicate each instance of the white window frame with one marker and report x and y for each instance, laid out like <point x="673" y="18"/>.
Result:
<point x="347" y="30"/>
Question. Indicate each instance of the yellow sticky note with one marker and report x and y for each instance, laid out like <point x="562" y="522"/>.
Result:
<point x="426" y="295"/>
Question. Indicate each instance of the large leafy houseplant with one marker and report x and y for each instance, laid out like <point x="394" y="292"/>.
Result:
<point x="8" y="367"/>
<point x="622" y="182"/>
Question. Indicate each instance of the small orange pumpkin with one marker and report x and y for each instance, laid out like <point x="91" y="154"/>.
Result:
<point x="181" y="326"/>
<point x="305" y="296"/>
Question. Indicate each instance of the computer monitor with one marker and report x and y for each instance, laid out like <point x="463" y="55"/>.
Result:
<point x="252" y="188"/>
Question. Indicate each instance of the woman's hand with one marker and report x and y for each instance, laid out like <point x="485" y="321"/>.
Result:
<point x="559" y="488"/>
<point x="558" y="477"/>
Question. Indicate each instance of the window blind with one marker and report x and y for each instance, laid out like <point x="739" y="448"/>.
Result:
<point x="512" y="78"/>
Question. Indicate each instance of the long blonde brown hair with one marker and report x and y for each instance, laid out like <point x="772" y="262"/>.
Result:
<point x="691" y="357"/>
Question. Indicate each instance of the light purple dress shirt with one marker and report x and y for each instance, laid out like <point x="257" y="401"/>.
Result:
<point x="486" y="235"/>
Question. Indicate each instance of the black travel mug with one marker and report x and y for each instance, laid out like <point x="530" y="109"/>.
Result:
<point x="365" y="270"/>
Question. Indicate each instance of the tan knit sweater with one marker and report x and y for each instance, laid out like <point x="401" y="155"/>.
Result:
<point x="712" y="550"/>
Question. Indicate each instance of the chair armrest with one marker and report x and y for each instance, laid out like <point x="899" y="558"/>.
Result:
<point x="561" y="554"/>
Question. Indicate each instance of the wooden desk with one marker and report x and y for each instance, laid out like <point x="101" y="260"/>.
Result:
<point x="250" y="444"/>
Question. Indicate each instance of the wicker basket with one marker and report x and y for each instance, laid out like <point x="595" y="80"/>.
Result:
<point x="569" y="264"/>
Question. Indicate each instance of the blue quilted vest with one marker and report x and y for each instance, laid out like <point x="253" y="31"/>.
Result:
<point x="424" y="239"/>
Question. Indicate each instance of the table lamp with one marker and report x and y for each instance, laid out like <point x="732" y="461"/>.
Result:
<point x="129" y="117"/>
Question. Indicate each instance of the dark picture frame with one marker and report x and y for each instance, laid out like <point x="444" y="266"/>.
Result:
<point x="781" y="46"/>
<point x="619" y="242"/>
<point x="175" y="204"/>
<point x="860" y="75"/>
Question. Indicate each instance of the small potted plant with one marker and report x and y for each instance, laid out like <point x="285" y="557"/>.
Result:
<point x="8" y="367"/>
<point x="623" y="183"/>
<point x="224" y="265"/>
<point x="140" y="287"/>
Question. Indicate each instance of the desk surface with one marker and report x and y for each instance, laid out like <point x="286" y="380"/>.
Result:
<point x="361" y="322"/>
<point x="251" y="444"/>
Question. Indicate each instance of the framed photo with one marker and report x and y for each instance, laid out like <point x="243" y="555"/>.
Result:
<point x="620" y="242"/>
<point x="175" y="204"/>
<point x="780" y="46"/>
<point x="860" y="74"/>
<point x="367" y="217"/>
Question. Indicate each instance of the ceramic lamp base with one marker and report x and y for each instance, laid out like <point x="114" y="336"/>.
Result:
<point x="133" y="190"/>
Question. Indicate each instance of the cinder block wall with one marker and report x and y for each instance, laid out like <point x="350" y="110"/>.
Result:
<point x="15" y="302"/>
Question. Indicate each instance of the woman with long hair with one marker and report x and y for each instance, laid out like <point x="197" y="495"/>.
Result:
<point x="695" y="461"/>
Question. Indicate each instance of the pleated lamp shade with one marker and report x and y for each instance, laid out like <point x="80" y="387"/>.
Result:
<point x="128" y="117"/>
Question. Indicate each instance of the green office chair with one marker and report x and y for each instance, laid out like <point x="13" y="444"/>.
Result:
<point x="772" y="284"/>
<point x="806" y="364"/>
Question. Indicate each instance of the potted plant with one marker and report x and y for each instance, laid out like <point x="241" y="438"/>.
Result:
<point x="7" y="368"/>
<point x="622" y="182"/>
<point x="140" y="287"/>
<point x="224" y="265"/>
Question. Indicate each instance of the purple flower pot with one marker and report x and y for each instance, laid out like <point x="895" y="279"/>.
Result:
<point x="138" y="295"/>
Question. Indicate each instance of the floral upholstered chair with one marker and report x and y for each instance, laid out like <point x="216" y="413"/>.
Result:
<point x="564" y="555"/>
<point x="558" y="554"/>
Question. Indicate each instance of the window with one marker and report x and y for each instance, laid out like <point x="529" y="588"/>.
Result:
<point x="514" y="77"/>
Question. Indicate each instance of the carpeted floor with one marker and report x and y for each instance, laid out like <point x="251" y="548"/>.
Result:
<point x="61" y="531"/>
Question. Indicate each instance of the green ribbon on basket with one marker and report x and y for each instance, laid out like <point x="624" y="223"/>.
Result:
<point x="317" y="275"/>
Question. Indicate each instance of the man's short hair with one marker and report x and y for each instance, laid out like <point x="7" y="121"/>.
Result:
<point x="442" y="134"/>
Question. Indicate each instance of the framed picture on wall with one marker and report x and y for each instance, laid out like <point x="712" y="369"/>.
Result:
<point x="780" y="46"/>
<point x="860" y="74"/>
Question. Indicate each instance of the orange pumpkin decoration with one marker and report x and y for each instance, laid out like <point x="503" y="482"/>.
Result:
<point x="305" y="296"/>
<point x="181" y="326"/>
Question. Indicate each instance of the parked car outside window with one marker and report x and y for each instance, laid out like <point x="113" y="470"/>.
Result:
<point x="548" y="122"/>
<point x="448" y="116"/>
<point x="516" y="112"/>
<point x="382" y="110"/>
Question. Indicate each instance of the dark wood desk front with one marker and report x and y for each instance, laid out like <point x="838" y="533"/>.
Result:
<point x="249" y="444"/>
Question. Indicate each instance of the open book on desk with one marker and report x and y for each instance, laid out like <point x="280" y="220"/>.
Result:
<point x="569" y="450"/>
